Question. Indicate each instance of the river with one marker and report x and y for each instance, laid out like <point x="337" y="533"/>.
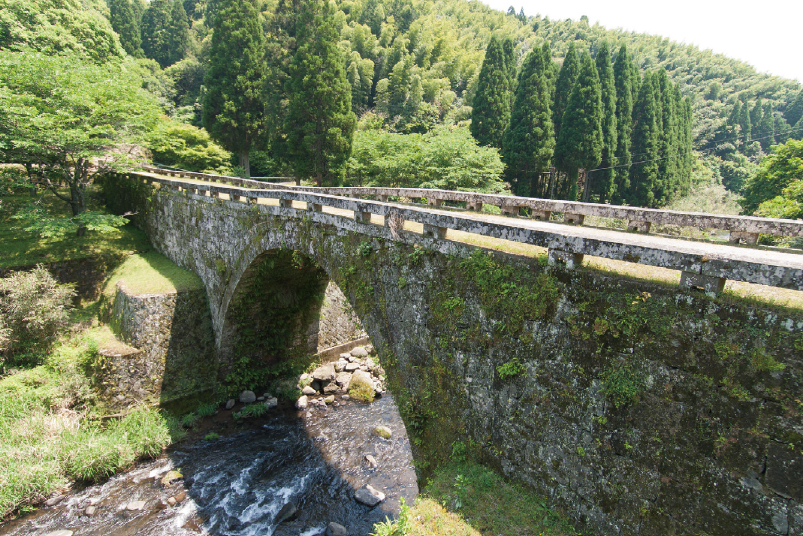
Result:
<point x="237" y="484"/>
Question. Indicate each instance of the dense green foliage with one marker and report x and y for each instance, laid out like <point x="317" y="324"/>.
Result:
<point x="57" y="27"/>
<point x="777" y="189"/>
<point x="165" y="32"/>
<point x="443" y="158"/>
<point x="529" y="141"/>
<point x="320" y="124"/>
<point x="33" y="308"/>
<point x="58" y="113"/>
<point x="126" y="22"/>
<point x="603" y="180"/>
<point x="187" y="147"/>
<point x="580" y="142"/>
<point x="490" y="113"/>
<point x="233" y="110"/>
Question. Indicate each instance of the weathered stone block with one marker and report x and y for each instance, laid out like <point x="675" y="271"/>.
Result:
<point x="709" y="284"/>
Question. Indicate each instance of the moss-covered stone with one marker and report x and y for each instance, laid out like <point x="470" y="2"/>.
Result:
<point x="639" y="409"/>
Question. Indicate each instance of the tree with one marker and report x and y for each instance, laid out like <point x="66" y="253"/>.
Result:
<point x="58" y="115"/>
<point x="777" y="172"/>
<point x="604" y="179"/>
<point x="320" y="124"/>
<point x="744" y="122"/>
<point x="165" y="31"/>
<point x="579" y="143"/>
<point x="644" y="171"/>
<point x="529" y="141"/>
<point x="280" y="47"/>
<point x="756" y="115"/>
<point x="563" y="86"/>
<point x="124" y="20"/>
<point x="623" y="81"/>
<point x="509" y="48"/>
<point x="233" y="110"/>
<point x="490" y="114"/>
<point x="58" y="27"/>
<point x="794" y="110"/>
<point x="767" y="128"/>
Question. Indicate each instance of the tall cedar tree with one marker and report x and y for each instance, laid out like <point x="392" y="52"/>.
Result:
<point x="794" y="110"/>
<point x="668" y="179"/>
<point x="320" y="124"/>
<point x="280" y="48"/>
<point x="165" y="31"/>
<point x="564" y="84"/>
<point x="579" y="143"/>
<point x="126" y="22"/>
<point x="491" y="107"/>
<point x="529" y="141"/>
<point x="509" y="49"/>
<point x="644" y="171"/>
<point x="744" y="122"/>
<point x="756" y="114"/>
<point x="603" y="180"/>
<point x="623" y="80"/>
<point x="233" y="110"/>
<point x="767" y="127"/>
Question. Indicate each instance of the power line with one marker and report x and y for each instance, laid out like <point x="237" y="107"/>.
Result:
<point x="687" y="152"/>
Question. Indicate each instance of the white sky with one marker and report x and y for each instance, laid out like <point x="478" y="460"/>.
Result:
<point x="767" y="35"/>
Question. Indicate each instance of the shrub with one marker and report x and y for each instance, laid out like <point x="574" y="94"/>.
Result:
<point x="34" y="308"/>
<point x="188" y="147"/>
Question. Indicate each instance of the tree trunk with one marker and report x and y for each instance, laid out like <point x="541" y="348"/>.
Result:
<point x="587" y="186"/>
<point x="245" y="164"/>
<point x="77" y="193"/>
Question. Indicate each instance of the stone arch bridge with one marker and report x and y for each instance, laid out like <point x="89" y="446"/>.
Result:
<point x="634" y="407"/>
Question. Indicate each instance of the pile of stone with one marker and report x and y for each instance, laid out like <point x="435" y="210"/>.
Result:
<point x="331" y="379"/>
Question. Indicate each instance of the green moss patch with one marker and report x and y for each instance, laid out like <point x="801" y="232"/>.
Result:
<point x="151" y="273"/>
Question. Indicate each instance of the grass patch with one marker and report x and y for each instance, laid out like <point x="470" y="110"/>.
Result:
<point x="467" y="499"/>
<point x="20" y="248"/>
<point x="151" y="273"/>
<point x="48" y="435"/>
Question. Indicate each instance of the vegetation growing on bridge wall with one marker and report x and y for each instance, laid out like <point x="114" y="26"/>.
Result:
<point x="633" y="407"/>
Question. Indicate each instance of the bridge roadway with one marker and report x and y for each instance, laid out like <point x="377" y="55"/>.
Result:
<point x="703" y="265"/>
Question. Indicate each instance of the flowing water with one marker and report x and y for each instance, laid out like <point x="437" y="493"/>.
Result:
<point x="236" y="485"/>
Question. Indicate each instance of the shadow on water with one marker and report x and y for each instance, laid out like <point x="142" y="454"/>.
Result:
<point x="237" y="485"/>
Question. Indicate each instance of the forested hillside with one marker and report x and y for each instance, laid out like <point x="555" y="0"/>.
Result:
<point x="413" y="67"/>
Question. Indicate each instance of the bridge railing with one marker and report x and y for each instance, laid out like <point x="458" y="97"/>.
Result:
<point x="702" y="265"/>
<point x="741" y="228"/>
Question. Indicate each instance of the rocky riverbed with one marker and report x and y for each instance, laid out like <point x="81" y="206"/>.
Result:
<point x="334" y="466"/>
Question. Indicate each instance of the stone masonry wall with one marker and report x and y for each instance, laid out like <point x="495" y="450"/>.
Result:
<point x="337" y="323"/>
<point x="171" y="351"/>
<point x="634" y="408"/>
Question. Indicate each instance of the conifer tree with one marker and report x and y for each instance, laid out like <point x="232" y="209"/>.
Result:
<point x="623" y="80"/>
<point x="490" y="114"/>
<point x="320" y="124"/>
<point x="782" y="129"/>
<point x="280" y="47"/>
<point x="165" y="31"/>
<point x="233" y="108"/>
<point x="767" y="127"/>
<point x="744" y="123"/>
<point x="579" y="144"/>
<point x="179" y="32"/>
<point x="399" y="87"/>
<point x="125" y="21"/>
<point x="644" y="171"/>
<point x="667" y="179"/>
<point x="529" y="141"/>
<point x="510" y="61"/>
<point x="794" y="110"/>
<point x="564" y="84"/>
<point x="756" y="114"/>
<point x="603" y="180"/>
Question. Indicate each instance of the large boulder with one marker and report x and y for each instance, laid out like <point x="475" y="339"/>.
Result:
<point x="302" y="402"/>
<point x="360" y="377"/>
<point x="359" y="352"/>
<point x="343" y="379"/>
<point x="369" y="496"/>
<point x="324" y="373"/>
<point x="247" y="397"/>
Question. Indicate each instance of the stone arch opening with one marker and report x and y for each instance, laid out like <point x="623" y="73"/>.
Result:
<point x="284" y="308"/>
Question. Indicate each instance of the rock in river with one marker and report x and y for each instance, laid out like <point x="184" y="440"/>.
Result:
<point x="369" y="496"/>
